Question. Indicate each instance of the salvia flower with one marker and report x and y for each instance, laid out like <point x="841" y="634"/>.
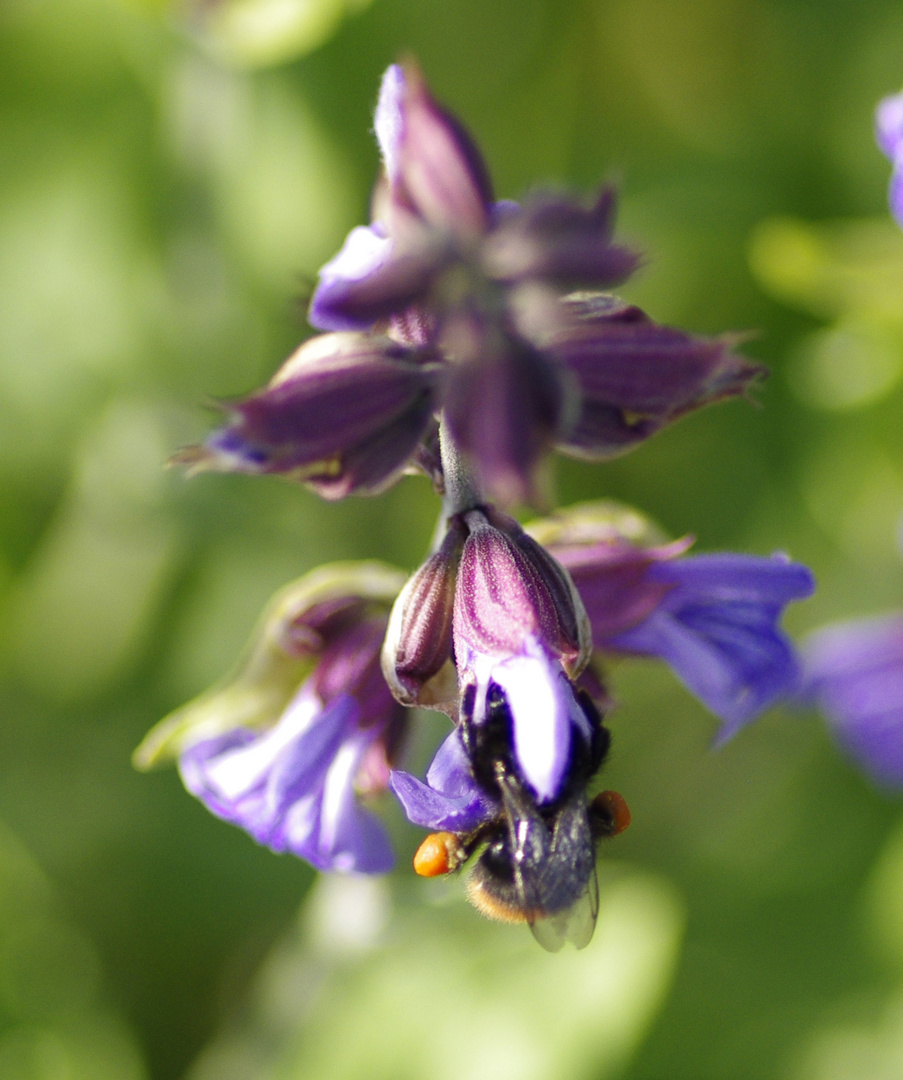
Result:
<point x="714" y="619"/>
<point x="635" y="376"/>
<point x="854" y="673"/>
<point x="285" y="749"/>
<point x="889" y="135"/>
<point x="508" y="616"/>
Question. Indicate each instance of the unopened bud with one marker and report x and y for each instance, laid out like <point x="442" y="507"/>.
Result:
<point x="417" y="654"/>
<point x="510" y="589"/>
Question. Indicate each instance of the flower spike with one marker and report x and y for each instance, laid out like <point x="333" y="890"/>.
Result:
<point x="467" y="339"/>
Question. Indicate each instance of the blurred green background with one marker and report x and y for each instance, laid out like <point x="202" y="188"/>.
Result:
<point x="171" y="177"/>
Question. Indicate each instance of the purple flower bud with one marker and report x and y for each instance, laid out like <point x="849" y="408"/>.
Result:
<point x="432" y="164"/>
<point x="504" y="406"/>
<point x="510" y="590"/>
<point x="519" y="627"/>
<point x="854" y="672"/>
<point x="306" y="723"/>
<point x="889" y="135"/>
<point x="555" y="237"/>
<point x="344" y="413"/>
<point x="417" y="654"/>
<point x="635" y="376"/>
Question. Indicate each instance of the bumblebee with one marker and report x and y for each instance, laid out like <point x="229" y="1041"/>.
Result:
<point x="534" y="862"/>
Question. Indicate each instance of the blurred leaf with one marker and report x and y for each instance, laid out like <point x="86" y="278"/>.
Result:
<point x="854" y="489"/>
<point x="854" y="1050"/>
<point x="883" y="906"/>
<point x="279" y="186"/>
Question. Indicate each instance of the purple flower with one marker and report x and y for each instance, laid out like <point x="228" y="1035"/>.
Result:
<point x="635" y="376"/>
<point x="493" y="603"/>
<point x="889" y="135"/>
<point x="451" y="307"/>
<point x="307" y="725"/>
<point x="293" y="787"/>
<point x="417" y="654"/>
<point x="854" y="673"/>
<point x="714" y="619"/>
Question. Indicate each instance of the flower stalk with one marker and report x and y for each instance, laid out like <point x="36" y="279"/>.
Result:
<point x="468" y="338"/>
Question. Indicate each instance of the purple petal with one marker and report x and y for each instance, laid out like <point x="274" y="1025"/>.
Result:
<point x="726" y="578"/>
<point x="544" y="714"/>
<point x="449" y="772"/>
<point x="854" y="671"/>
<point x="450" y="799"/>
<point x="389" y="119"/>
<point x="889" y="126"/>
<point x="252" y="778"/>
<point x="197" y="768"/>
<point x="372" y="282"/>
<point x="365" y="250"/>
<point x="348" y="838"/>
<point x="292" y="787"/>
<point x="718" y="629"/>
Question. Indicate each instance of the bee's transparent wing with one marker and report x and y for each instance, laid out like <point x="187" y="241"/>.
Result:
<point x="554" y="867"/>
<point x="575" y="924"/>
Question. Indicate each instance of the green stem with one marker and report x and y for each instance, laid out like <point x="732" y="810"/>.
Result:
<point x="463" y="491"/>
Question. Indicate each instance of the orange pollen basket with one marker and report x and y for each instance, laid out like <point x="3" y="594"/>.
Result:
<point x="440" y="853"/>
<point x="616" y="808"/>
